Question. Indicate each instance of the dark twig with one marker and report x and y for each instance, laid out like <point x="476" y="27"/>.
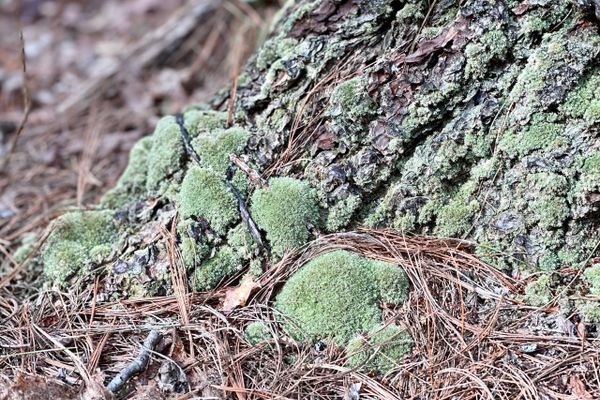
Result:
<point x="137" y="365"/>
<point x="252" y="174"/>
<point x="244" y="213"/>
<point x="185" y="136"/>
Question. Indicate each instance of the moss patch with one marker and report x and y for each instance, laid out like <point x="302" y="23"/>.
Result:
<point x="165" y="156"/>
<point x="382" y="351"/>
<point x="283" y="210"/>
<point x="74" y="240"/>
<point x="350" y="100"/>
<point x="225" y="262"/>
<point x="257" y="332"/>
<point x="455" y="217"/>
<point x="198" y="121"/>
<point x="337" y="295"/>
<point x="592" y="275"/>
<point x="538" y="292"/>
<point x="214" y="149"/>
<point x="132" y="182"/>
<point x="205" y="194"/>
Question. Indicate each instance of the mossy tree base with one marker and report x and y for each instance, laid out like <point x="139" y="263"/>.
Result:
<point x="476" y="120"/>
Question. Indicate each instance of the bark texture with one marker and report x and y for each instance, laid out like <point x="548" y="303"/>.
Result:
<point x="475" y="119"/>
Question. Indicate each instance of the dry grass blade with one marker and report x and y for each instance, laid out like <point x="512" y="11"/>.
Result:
<point x="26" y="105"/>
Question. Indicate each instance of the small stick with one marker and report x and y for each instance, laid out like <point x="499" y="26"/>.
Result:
<point x="185" y="136"/>
<point x="252" y="174"/>
<point x="244" y="213"/>
<point x="137" y="365"/>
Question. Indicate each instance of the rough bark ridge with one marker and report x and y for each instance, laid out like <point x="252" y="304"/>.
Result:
<point x="475" y="119"/>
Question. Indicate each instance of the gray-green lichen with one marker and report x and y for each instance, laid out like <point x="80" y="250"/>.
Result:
<point x="350" y="101"/>
<point x="337" y="295"/>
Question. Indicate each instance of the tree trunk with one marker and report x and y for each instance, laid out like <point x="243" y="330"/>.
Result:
<point x="474" y="120"/>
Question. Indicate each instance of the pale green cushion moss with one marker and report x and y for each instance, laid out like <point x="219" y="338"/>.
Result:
<point x="77" y="238"/>
<point x="165" y="156"/>
<point x="215" y="269"/>
<point x="590" y="311"/>
<point x="537" y="293"/>
<point x="283" y="210"/>
<point x="382" y="351"/>
<point x="257" y="332"/>
<point x="337" y="295"/>
<point x="214" y="148"/>
<point x="132" y="182"/>
<point x="592" y="275"/>
<point x="198" y="121"/>
<point x="205" y="194"/>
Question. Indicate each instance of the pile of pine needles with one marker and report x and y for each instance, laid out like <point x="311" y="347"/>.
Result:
<point x="473" y="338"/>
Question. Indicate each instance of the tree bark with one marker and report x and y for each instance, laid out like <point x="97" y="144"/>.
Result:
<point x="475" y="119"/>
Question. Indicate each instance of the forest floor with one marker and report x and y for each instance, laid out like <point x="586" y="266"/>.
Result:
<point x="97" y="79"/>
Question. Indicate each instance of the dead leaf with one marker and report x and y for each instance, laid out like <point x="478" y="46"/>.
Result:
<point x="238" y="296"/>
<point x="581" y="331"/>
<point x="578" y="388"/>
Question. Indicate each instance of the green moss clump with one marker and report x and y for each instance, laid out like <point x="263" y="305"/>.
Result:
<point x="583" y="101"/>
<point x="548" y="205"/>
<point x="165" y="156"/>
<point x="455" y="218"/>
<point x="590" y="311"/>
<point x="479" y="55"/>
<point x="350" y="100"/>
<point x="341" y="213"/>
<point x="538" y="292"/>
<point x="589" y="178"/>
<point x="76" y="238"/>
<point x="283" y="210"/>
<point x="240" y="239"/>
<point x="214" y="149"/>
<point x="198" y="121"/>
<point x="391" y="281"/>
<point x="382" y="351"/>
<point x="257" y="332"/>
<point x="224" y="263"/>
<point x="132" y="182"/>
<point x="27" y="247"/>
<point x="337" y="295"/>
<point x="592" y="275"/>
<point x="205" y="194"/>
<point x="549" y="262"/>
<point x="592" y="113"/>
